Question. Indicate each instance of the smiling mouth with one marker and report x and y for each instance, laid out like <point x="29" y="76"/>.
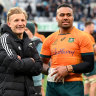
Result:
<point x="19" y="27"/>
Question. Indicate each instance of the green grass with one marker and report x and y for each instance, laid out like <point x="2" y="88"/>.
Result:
<point x="45" y="83"/>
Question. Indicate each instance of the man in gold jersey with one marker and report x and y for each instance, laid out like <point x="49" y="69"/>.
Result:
<point x="37" y="34"/>
<point x="90" y="78"/>
<point x="71" y="54"/>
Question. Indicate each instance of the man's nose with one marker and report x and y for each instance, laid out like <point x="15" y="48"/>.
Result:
<point x="65" y="17"/>
<point x="20" y="22"/>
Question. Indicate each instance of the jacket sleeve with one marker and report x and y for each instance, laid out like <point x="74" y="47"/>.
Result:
<point x="9" y="59"/>
<point x="32" y="52"/>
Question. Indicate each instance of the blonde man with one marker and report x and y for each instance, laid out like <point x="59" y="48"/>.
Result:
<point x="19" y="59"/>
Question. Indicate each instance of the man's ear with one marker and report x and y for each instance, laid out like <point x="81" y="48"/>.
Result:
<point x="26" y="22"/>
<point x="8" y="23"/>
<point x="56" y="18"/>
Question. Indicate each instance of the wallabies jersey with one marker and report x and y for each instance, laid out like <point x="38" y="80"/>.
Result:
<point x="66" y="49"/>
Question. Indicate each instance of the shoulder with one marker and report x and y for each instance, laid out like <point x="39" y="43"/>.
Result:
<point x="52" y="37"/>
<point x="79" y="34"/>
<point x="37" y="42"/>
<point x="5" y="36"/>
<point x="78" y="31"/>
<point x="35" y="38"/>
<point x="42" y="36"/>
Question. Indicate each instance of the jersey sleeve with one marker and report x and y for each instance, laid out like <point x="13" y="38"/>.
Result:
<point x="45" y="50"/>
<point x="86" y="45"/>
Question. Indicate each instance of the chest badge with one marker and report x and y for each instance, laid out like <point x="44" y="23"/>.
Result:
<point x="30" y="45"/>
<point x="19" y="48"/>
<point x="71" y="40"/>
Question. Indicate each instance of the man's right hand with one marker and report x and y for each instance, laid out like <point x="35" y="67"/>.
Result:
<point x="19" y="57"/>
<point x="33" y="60"/>
<point x="61" y="72"/>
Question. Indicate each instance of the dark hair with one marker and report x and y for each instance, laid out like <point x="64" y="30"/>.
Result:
<point x="88" y="23"/>
<point x="64" y="5"/>
<point x="35" y="24"/>
<point x="31" y="27"/>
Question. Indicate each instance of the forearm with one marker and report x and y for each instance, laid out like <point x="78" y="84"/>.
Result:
<point x="45" y="69"/>
<point x="86" y="66"/>
<point x="45" y="65"/>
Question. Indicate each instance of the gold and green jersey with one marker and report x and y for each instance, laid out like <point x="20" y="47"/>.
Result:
<point x="66" y="49"/>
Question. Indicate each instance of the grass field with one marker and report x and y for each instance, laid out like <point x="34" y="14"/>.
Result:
<point x="45" y="82"/>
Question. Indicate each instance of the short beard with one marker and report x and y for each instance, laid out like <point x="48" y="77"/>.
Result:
<point x="65" y="28"/>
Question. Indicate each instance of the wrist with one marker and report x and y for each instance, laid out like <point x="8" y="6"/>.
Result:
<point x="47" y="69"/>
<point x="69" y="68"/>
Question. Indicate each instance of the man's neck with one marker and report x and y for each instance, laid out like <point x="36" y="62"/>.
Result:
<point x="20" y="36"/>
<point x="65" y="31"/>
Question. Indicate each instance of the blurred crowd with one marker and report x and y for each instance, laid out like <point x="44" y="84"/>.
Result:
<point x="83" y="9"/>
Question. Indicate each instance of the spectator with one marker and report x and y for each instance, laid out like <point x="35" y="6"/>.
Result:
<point x="42" y="37"/>
<point x="29" y="11"/>
<point x="5" y="14"/>
<point x="1" y="12"/>
<point x="30" y="30"/>
<point x="94" y="12"/>
<point x="90" y="78"/>
<point x="40" y="9"/>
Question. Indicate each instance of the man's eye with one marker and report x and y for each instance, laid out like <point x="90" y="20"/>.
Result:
<point x="16" y="20"/>
<point x="22" y="20"/>
<point x="61" y="14"/>
<point x="68" y="15"/>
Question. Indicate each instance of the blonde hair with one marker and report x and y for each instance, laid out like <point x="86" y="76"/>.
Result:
<point x="16" y="10"/>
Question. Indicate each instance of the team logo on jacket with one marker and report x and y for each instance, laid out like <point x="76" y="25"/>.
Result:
<point x="71" y="40"/>
<point x="19" y="48"/>
<point x="30" y="45"/>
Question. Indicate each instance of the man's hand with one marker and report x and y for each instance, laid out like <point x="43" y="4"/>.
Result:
<point x="61" y="72"/>
<point x="33" y="60"/>
<point x="19" y="57"/>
